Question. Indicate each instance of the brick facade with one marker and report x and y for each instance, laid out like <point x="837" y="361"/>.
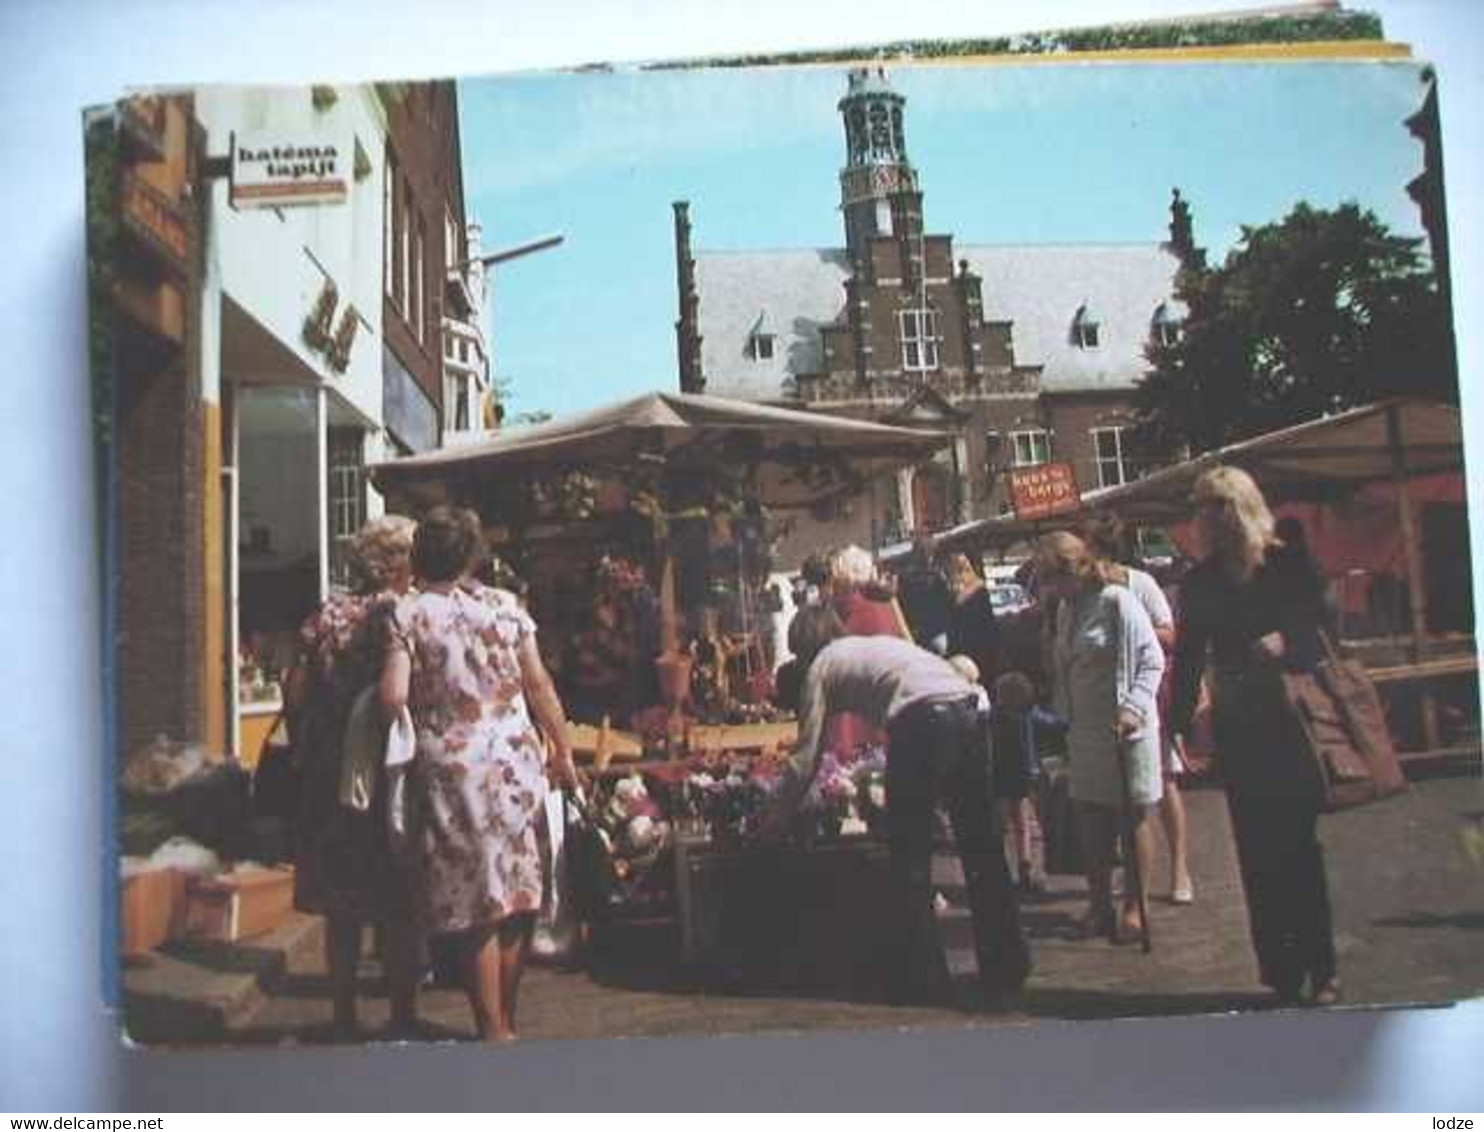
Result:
<point x="916" y="338"/>
<point x="156" y="443"/>
<point x="424" y="160"/>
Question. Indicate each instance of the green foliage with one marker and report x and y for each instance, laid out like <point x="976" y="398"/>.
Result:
<point x="101" y="157"/>
<point x="101" y="152"/>
<point x="1319" y="312"/>
<point x="1315" y="27"/>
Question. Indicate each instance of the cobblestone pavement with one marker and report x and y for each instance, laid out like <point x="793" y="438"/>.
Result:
<point x="1409" y="908"/>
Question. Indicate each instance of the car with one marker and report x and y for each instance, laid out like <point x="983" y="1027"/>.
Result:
<point x="1010" y="599"/>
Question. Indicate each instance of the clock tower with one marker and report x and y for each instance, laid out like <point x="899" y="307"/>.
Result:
<point x="878" y="186"/>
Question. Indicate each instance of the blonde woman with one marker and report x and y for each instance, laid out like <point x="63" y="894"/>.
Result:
<point x="1107" y="664"/>
<point x="1254" y="607"/>
<point x="345" y="870"/>
<point x="1109" y="539"/>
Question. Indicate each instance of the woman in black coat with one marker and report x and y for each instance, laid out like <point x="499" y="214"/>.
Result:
<point x="1253" y="608"/>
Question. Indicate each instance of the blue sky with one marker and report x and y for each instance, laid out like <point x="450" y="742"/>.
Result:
<point x="1031" y="153"/>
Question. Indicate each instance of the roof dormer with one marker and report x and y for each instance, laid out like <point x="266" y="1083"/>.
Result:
<point x="1086" y="328"/>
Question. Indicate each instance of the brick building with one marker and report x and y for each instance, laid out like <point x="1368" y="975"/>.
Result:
<point x="269" y="333"/>
<point x="1027" y="354"/>
<point x="158" y="434"/>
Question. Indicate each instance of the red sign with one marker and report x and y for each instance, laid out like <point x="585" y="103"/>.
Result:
<point x="1043" y="490"/>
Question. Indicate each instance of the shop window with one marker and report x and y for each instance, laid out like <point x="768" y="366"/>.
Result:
<point x="1030" y="446"/>
<point x="347" y="498"/>
<point x="919" y="334"/>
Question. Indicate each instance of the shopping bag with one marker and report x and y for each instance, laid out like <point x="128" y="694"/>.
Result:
<point x="1345" y="732"/>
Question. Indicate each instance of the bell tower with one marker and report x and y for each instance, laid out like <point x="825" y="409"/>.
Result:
<point x="878" y="186"/>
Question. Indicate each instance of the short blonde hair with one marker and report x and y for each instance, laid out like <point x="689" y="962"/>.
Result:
<point x="380" y="551"/>
<point x="1244" y="525"/>
<point x="852" y="566"/>
<point x="1063" y="553"/>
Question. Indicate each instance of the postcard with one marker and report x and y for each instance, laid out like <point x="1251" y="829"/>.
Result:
<point x="958" y="535"/>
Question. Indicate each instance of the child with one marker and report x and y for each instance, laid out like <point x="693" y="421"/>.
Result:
<point x="1020" y="727"/>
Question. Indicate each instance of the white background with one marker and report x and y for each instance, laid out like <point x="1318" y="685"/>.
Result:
<point x="58" y="1049"/>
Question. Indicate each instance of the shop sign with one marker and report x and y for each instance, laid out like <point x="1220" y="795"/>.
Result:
<point x="1043" y="490"/>
<point x="156" y="221"/>
<point x="285" y="170"/>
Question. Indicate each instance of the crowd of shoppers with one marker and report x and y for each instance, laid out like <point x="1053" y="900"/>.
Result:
<point x="916" y="667"/>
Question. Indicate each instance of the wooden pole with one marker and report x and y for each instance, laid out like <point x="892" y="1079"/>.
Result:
<point x="1416" y="583"/>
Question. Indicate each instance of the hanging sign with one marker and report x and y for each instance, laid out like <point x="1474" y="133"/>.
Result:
<point x="283" y="170"/>
<point x="1043" y="490"/>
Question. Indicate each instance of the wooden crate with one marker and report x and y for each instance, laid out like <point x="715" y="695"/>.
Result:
<point x="153" y="909"/>
<point x="238" y="905"/>
<point x="786" y="916"/>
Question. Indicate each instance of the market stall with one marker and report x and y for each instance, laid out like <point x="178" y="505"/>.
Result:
<point x="643" y="531"/>
<point x="1380" y="492"/>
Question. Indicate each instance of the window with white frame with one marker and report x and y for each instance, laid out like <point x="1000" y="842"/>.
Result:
<point x="1086" y="329"/>
<point x="419" y="281"/>
<point x="1030" y="446"/>
<point x="388" y="225"/>
<point x="404" y="251"/>
<point x="1165" y="326"/>
<point x="452" y="252"/>
<point x="461" y="407"/>
<point x="347" y="498"/>
<point x="1108" y="447"/>
<point x="919" y="333"/>
<point x="760" y="346"/>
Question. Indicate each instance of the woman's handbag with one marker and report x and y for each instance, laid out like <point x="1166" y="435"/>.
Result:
<point x="1345" y="733"/>
<point x="1057" y="815"/>
<point x="276" y="776"/>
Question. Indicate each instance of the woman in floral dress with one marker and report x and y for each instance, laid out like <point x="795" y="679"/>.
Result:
<point x="343" y="865"/>
<point x="467" y="667"/>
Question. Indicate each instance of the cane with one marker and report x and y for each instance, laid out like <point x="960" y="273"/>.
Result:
<point x="1131" y="852"/>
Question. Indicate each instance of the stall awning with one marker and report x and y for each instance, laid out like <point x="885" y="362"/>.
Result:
<point x="788" y="447"/>
<point x="1314" y="460"/>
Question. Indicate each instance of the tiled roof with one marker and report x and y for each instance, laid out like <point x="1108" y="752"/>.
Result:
<point x="1039" y="288"/>
<point x="793" y="292"/>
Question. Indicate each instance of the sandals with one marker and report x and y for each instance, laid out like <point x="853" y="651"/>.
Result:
<point x="1326" y="993"/>
<point x="1182" y="894"/>
<point x="1096" y="923"/>
<point x="1130" y="927"/>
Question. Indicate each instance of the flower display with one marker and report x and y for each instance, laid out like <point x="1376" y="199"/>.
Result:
<point x="728" y="798"/>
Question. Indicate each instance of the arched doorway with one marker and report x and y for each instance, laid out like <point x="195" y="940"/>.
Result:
<point x="931" y="498"/>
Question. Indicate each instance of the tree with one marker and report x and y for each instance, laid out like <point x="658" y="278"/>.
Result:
<point x="1320" y="312"/>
